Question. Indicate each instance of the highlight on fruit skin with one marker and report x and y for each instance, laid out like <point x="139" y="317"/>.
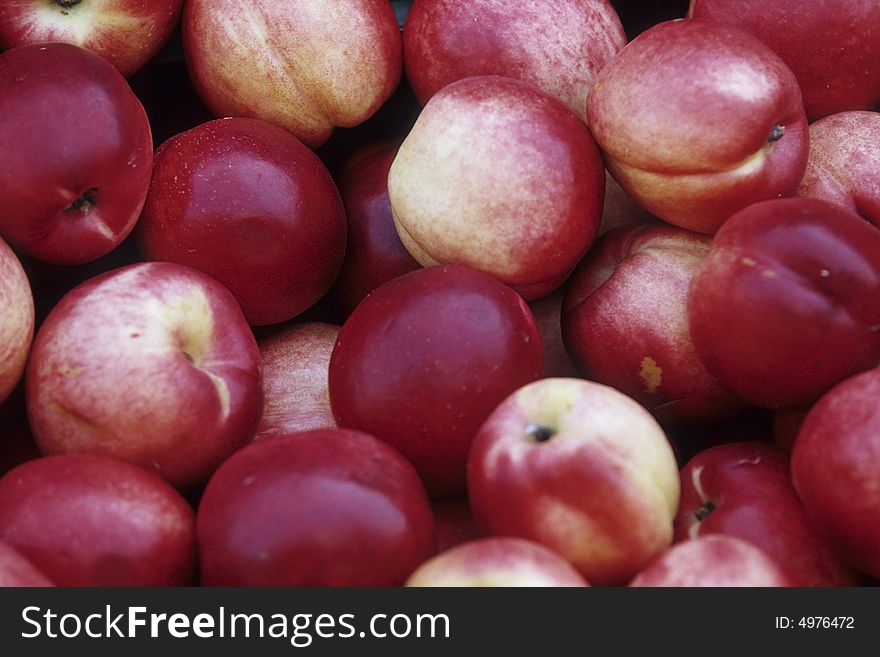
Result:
<point x="496" y="562"/>
<point x="712" y="561"/>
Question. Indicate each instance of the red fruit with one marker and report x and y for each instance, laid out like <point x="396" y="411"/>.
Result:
<point x="328" y="507"/>
<point x="425" y="358"/>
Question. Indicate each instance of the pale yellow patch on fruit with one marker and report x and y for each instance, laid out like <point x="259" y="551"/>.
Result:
<point x="696" y="481"/>
<point x="222" y="393"/>
<point x="76" y="24"/>
<point x="189" y="319"/>
<point x="103" y="229"/>
<point x="651" y="373"/>
<point x="577" y="536"/>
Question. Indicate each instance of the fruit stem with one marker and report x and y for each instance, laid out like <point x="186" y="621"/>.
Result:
<point x="707" y="508"/>
<point x="85" y="202"/>
<point x="539" y="432"/>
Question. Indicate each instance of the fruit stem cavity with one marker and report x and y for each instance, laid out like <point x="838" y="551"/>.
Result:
<point x="776" y="134"/>
<point x="703" y="512"/>
<point x="539" y="433"/>
<point x="85" y="202"/>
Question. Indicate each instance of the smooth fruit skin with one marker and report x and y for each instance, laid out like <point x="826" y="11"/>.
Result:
<point x="77" y="153"/>
<point x="295" y="361"/>
<point x="127" y="33"/>
<point x="152" y="363"/>
<point x="559" y="46"/>
<point x="835" y="465"/>
<point x="16" y="320"/>
<point x="250" y="205"/>
<point x="494" y="562"/>
<point x="424" y="359"/>
<point x="88" y="520"/>
<point x="697" y="120"/>
<point x="712" y="561"/>
<point x="625" y="323"/>
<point x="844" y="164"/>
<point x="527" y="177"/>
<point x="743" y="489"/>
<point x="787" y="303"/>
<point x="374" y="254"/>
<point x="320" y="508"/>
<point x="833" y="48"/>
<point x="581" y="469"/>
<point x="16" y="570"/>
<point x="308" y="66"/>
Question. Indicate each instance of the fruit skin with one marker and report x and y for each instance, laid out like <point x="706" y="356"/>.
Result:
<point x="559" y="47"/>
<point x="69" y="195"/>
<point x="16" y="320"/>
<point x="714" y="560"/>
<point x="833" y="48"/>
<point x="329" y="507"/>
<point x="625" y="323"/>
<point x="152" y="363"/>
<point x="787" y="303"/>
<point x="308" y="66"/>
<point x="16" y="570"/>
<point x="601" y="490"/>
<point x="496" y="561"/>
<point x="743" y="489"/>
<point x="424" y="359"/>
<point x="374" y="254"/>
<point x="844" y="161"/>
<point x="835" y="465"/>
<point x="87" y="520"/>
<point x="294" y="362"/>
<point x="528" y="183"/>
<point x="247" y="203"/>
<point x="725" y="125"/>
<point x="126" y="33"/>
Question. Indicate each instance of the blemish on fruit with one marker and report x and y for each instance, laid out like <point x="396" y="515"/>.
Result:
<point x="748" y="262"/>
<point x="651" y="374"/>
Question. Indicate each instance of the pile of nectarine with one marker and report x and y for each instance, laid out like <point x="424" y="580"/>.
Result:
<point x="439" y="293"/>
